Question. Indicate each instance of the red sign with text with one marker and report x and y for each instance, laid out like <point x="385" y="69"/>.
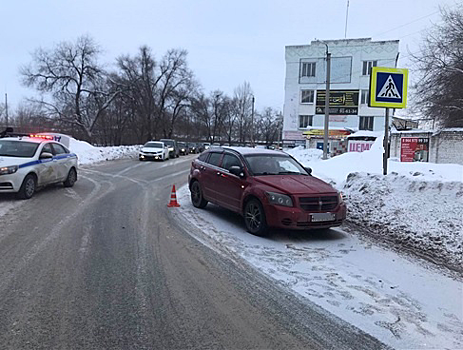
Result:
<point x="414" y="149"/>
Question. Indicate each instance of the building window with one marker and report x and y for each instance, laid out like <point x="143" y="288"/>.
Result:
<point x="367" y="65"/>
<point x="307" y="96"/>
<point x="364" y="97"/>
<point x="305" y="121"/>
<point x="307" y="69"/>
<point x="366" y="123"/>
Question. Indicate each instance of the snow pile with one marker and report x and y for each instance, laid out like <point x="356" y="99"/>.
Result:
<point x="305" y="155"/>
<point x="424" y="216"/>
<point x="418" y="206"/>
<point x="88" y="154"/>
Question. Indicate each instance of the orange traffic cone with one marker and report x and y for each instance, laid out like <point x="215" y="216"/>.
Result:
<point x="173" y="199"/>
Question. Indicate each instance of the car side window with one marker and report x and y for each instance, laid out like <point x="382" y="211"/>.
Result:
<point x="230" y="160"/>
<point x="203" y="156"/>
<point x="47" y="148"/>
<point x="59" y="149"/>
<point x="214" y="159"/>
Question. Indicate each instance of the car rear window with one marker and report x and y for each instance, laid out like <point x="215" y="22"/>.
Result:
<point x="22" y="149"/>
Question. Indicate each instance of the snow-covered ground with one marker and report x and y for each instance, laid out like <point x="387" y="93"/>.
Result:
<point x="88" y="154"/>
<point x="417" y="206"/>
<point x="402" y="303"/>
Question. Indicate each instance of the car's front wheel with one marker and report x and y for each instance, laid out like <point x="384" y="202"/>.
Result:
<point x="28" y="187"/>
<point x="71" y="179"/>
<point x="254" y="218"/>
<point x="197" y="195"/>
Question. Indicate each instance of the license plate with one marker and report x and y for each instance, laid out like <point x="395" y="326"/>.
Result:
<point x="320" y="217"/>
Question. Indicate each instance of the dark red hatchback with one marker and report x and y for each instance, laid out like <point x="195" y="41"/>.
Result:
<point x="270" y="189"/>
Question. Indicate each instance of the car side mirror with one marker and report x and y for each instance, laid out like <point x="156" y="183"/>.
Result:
<point x="309" y="170"/>
<point x="236" y="170"/>
<point x="46" y="155"/>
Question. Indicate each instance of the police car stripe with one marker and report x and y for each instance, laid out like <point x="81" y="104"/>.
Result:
<point x="29" y="164"/>
<point x="63" y="156"/>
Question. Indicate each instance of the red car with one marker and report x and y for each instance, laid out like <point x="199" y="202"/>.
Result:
<point x="270" y="189"/>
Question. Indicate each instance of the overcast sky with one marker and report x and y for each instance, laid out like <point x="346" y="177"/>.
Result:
<point x="228" y="42"/>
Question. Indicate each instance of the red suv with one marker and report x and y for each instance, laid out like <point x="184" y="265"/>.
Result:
<point x="270" y="189"/>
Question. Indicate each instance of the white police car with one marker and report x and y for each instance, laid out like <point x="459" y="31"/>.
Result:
<point x="30" y="162"/>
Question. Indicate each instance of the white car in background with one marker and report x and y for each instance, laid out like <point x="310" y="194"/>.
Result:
<point x="155" y="150"/>
<point x="30" y="162"/>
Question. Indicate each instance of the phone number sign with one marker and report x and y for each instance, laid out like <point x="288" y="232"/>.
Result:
<point x="413" y="149"/>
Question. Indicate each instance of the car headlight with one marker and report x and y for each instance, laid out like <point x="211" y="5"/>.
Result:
<point x="279" y="199"/>
<point x="6" y="170"/>
<point x="342" y="197"/>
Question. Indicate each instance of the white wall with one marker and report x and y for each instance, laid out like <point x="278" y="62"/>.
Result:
<point x="385" y="52"/>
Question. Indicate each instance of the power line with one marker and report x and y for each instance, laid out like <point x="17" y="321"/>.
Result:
<point x="406" y="24"/>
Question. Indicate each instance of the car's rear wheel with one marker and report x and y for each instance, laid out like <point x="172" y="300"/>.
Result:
<point x="28" y="187"/>
<point x="254" y="218"/>
<point x="197" y="195"/>
<point x="71" y="179"/>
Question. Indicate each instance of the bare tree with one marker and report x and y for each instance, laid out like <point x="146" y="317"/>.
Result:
<point x="439" y="91"/>
<point x="268" y="125"/>
<point x="2" y="115"/>
<point x="176" y="86"/>
<point x="243" y="108"/>
<point x="72" y="82"/>
<point x="137" y="80"/>
<point x="211" y="113"/>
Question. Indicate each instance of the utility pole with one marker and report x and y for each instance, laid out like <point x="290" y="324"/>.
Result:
<point x="386" y="142"/>
<point x="252" y="122"/>
<point x="327" y="104"/>
<point x="6" y="108"/>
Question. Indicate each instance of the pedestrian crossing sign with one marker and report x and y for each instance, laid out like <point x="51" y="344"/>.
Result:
<point x="388" y="87"/>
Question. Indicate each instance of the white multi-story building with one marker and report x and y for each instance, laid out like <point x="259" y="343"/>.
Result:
<point x="305" y="84"/>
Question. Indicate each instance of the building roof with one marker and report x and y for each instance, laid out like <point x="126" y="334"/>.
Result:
<point x="344" y="41"/>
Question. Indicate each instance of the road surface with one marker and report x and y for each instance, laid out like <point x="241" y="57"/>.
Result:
<point x="104" y="266"/>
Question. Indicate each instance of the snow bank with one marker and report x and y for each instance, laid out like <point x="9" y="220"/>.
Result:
<point x="418" y="206"/>
<point x="424" y="216"/>
<point x="336" y="169"/>
<point x="88" y="154"/>
<point x="305" y="155"/>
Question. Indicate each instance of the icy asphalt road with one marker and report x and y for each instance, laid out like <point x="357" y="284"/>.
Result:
<point x="104" y="266"/>
<point x="403" y="301"/>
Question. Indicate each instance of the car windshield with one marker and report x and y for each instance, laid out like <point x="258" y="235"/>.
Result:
<point x="181" y="144"/>
<point x="21" y="149"/>
<point x="263" y="164"/>
<point x="154" y="144"/>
